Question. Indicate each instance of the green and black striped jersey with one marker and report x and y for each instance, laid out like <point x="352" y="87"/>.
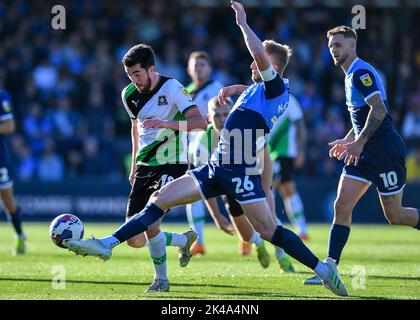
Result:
<point x="169" y="100"/>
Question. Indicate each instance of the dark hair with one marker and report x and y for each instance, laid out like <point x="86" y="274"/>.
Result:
<point x="141" y="53"/>
<point x="347" y="32"/>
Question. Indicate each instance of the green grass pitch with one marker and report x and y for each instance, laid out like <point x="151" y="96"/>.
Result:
<point x="387" y="255"/>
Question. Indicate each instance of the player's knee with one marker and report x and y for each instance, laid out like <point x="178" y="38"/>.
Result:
<point x="342" y="208"/>
<point x="137" y="242"/>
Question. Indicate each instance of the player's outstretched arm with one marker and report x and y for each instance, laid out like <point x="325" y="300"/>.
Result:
<point x="226" y="92"/>
<point x="252" y="42"/>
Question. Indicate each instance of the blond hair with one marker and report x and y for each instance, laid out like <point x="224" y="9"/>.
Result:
<point x="280" y="52"/>
<point x="213" y="104"/>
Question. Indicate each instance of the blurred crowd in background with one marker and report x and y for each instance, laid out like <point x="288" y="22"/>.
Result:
<point x="66" y="84"/>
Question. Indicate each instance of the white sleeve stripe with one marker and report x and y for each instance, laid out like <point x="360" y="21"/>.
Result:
<point x="372" y="94"/>
<point x="131" y="115"/>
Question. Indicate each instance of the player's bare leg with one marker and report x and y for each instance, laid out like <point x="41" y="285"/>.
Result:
<point x="396" y="214"/>
<point x="348" y="194"/>
<point x="12" y="210"/>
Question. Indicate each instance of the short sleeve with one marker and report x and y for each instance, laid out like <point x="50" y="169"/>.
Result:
<point x="5" y="106"/>
<point x="365" y="82"/>
<point x="124" y="101"/>
<point x="181" y="97"/>
<point x="274" y="87"/>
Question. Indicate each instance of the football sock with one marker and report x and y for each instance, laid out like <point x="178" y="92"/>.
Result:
<point x="157" y="250"/>
<point x="256" y="239"/>
<point x="16" y="221"/>
<point x="196" y="214"/>
<point x="279" y="252"/>
<point x="418" y="223"/>
<point x="109" y="241"/>
<point x="339" y="235"/>
<point x="175" y="239"/>
<point x="321" y="270"/>
<point x="139" y="223"/>
<point x="294" y="246"/>
<point x="294" y="210"/>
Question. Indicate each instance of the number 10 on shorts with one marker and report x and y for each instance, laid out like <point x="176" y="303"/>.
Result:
<point x="390" y="179"/>
<point x="247" y="184"/>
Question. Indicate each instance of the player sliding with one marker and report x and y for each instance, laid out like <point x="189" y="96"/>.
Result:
<point x="232" y="171"/>
<point x="372" y="150"/>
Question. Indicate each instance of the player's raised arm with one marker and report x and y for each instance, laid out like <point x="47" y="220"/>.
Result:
<point x="252" y="42"/>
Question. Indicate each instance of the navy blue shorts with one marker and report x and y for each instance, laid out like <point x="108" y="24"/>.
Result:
<point x="214" y="180"/>
<point x="382" y="165"/>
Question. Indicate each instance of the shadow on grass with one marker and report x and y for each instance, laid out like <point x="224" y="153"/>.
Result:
<point x="119" y="283"/>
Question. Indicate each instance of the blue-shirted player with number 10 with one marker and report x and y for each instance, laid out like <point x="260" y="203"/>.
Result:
<point x="7" y="126"/>
<point x="251" y="119"/>
<point x="372" y="150"/>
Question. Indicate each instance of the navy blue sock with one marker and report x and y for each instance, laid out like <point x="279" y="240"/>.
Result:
<point x="294" y="246"/>
<point x="418" y="223"/>
<point x="139" y="223"/>
<point x="339" y="235"/>
<point x="16" y="221"/>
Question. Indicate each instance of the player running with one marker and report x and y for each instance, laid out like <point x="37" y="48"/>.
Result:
<point x="234" y="169"/>
<point x="161" y="111"/>
<point x="7" y="126"/>
<point x="286" y="144"/>
<point x="373" y="151"/>
<point x="205" y="145"/>
<point x="202" y="88"/>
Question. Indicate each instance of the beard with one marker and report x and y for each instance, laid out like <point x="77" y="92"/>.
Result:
<point x="256" y="77"/>
<point x="148" y="85"/>
<point x="341" y="60"/>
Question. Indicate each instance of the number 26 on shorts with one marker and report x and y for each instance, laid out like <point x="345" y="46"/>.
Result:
<point x="247" y="184"/>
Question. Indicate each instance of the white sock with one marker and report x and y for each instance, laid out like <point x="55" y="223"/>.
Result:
<point x="294" y="210"/>
<point x="157" y="250"/>
<point x="321" y="270"/>
<point x="256" y="239"/>
<point x="196" y="214"/>
<point x="109" y="241"/>
<point x="175" y="239"/>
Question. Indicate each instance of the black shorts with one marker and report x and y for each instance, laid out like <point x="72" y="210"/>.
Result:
<point x="232" y="206"/>
<point x="148" y="180"/>
<point x="283" y="168"/>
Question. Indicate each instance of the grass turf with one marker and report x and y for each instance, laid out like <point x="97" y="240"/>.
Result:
<point x="387" y="254"/>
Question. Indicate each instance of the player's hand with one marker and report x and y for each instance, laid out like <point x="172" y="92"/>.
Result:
<point x="352" y="151"/>
<point x="337" y="148"/>
<point x="240" y="13"/>
<point x="153" y="123"/>
<point x="223" y="224"/>
<point x="224" y="93"/>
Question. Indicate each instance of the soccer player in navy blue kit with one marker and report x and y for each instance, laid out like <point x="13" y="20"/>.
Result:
<point x="372" y="150"/>
<point x="7" y="126"/>
<point x="233" y="170"/>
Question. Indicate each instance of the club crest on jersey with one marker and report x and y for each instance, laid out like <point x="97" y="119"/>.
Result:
<point x="366" y="80"/>
<point x="162" y="101"/>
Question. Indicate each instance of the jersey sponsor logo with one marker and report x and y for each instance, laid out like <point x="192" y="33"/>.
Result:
<point x="6" y="106"/>
<point x="366" y="80"/>
<point x="162" y="100"/>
